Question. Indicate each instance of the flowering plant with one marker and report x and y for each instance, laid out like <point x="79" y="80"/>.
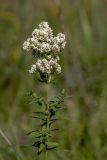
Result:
<point x="46" y="49"/>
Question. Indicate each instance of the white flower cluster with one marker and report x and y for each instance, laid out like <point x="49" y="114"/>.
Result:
<point x="46" y="47"/>
<point x="43" y="41"/>
<point x="46" y="66"/>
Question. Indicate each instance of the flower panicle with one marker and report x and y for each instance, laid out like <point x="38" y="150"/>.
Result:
<point x="45" y="47"/>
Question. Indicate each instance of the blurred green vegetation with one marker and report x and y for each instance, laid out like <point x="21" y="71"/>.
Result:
<point x="83" y="128"/>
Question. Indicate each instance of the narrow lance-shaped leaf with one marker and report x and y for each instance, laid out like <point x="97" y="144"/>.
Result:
<point x="51" y="145"/>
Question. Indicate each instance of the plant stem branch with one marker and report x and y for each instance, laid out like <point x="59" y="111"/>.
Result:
<point x="47" y="128"/>
<point x="46" y="155"/>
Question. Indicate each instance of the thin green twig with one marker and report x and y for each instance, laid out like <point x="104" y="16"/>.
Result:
<point x="47" y="128"/>
<point x="46" y="155"/>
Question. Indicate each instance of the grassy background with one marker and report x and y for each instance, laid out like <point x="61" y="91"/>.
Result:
<point x="83" y="128"/>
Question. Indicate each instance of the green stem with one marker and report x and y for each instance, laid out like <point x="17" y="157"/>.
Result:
<point x="47" y="128"/>
<point x="48" y="120"/>
<point x="46" y="155"/>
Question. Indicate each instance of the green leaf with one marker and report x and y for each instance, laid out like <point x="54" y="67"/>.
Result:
<point x="41" y="148"/>
<point x="36" y="144"/>
<point x="42" y="113"/>
<point x="31" y="132"/>
<point x="51" y="145"/>
<point x="43" y="119"/>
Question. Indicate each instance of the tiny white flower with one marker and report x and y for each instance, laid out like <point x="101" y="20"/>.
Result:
<point x="58" y="69"/>
<point x="55" y="48"/>
<point x="43" y="25"/>
<point x="35" y="32"/>
<point x="45" y="47"/>
<point x="26" y="45"/>
<point x="33" y="69"/>
<point x="62" y="46"/>
<point x="61" y="37"/>
<point x="49" y="57"/>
